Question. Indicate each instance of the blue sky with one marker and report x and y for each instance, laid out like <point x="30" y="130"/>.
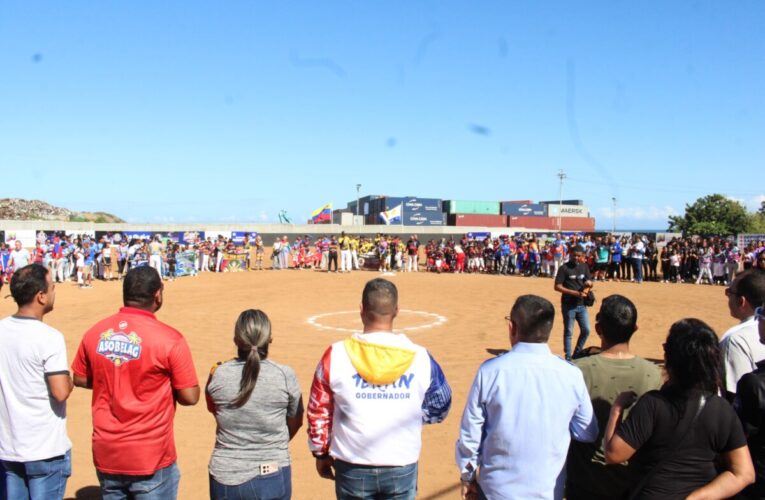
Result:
<point x="231" y="111"/>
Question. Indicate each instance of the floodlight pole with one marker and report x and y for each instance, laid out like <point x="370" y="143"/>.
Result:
<point x="613" y="199"/>
<point x="358" y="199"/>
<point x="561" y="176"/>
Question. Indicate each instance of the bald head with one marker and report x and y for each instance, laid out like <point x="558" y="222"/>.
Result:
<point x="379" y="301"/>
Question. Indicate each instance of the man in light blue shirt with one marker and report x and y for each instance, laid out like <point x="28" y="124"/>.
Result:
<point x="521" y="413"/>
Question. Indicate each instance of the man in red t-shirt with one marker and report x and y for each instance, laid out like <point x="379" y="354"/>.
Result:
<point x="138" y="369"/>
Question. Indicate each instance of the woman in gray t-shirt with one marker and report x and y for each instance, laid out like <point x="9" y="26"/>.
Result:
<point x="258" y="409"/>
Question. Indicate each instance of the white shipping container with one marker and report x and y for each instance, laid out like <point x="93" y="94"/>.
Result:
<point x="346" y="218"/>
<point x="567" y="211"/>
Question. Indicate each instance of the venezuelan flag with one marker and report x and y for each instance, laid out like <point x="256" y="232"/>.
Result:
<point x="322" y="214"/>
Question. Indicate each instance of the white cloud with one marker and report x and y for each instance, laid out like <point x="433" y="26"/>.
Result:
<point x="752" y="204"/>
<point x="755" y="203"/>
<point x="638" y="213"/>
<point x="263" y="216"/>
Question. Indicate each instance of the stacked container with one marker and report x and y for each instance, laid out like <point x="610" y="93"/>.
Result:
<point x="477" y="220"/>
<point x="523" y="209"/>
<point x="471" y="207"/>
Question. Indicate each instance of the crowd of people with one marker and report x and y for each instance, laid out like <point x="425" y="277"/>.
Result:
<point x="633" y="258"/>
<point x="605" y="425"/>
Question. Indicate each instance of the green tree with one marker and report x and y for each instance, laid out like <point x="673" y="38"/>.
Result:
<point x="712" y="215"/>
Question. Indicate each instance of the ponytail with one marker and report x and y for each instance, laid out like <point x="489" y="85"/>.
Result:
<point x="252" y="334"/>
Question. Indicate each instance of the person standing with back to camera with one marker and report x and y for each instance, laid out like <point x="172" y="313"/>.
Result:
<point x="139" y="369"/>
<point x="258" y="409"/>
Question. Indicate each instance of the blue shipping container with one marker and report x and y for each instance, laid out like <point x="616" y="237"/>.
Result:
<point x="534" y="209"/>
<point x="385" y="203"/>
<point x="412" y="204"/>
<point x="425" y="219"/>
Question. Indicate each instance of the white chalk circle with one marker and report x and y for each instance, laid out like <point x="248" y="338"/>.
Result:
<point x="429" y="320"/>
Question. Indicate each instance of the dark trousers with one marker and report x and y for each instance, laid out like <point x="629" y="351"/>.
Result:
<point x="332" y="257"/>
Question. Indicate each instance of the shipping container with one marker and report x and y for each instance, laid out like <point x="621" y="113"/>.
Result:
<point x="471" y="207"/>
<point x="343" y="217"/>
<point x="563" y="202"/>
<point x="477" y="220"/>
<point x="584" y="224"/>
<point x="385" y="203"/>
<point x="519" y="202"/>
<point x="425" y="219"/>
<point x="525" y="209"/>
<point x="365" y="204"/>
<point x="531" y="222"/>
<point x="371" y="219"/>
<point x="413" y="204"/>
<point x="567" y="211"/>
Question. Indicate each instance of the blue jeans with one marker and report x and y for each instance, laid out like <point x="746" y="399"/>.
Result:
<point x="41" y="479"/>
<point x="638" y="266"/>
<point x="571" y="314"/>
<point x="277" y="485"/>
<point x="367" y="482"/>
<point x="162" y="485"/>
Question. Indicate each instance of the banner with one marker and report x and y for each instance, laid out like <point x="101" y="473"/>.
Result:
<point x="749" y="238"/>
<point x="323" y="214"/>
<point x="185" y="263"/>
<point x="478" y="236"/>
<point x="28" y="237"/>
<point x="233" y="262"/>
<point x="191" y="237"/>
<point x="238" y="237"/>
<point x="392" y="216"/>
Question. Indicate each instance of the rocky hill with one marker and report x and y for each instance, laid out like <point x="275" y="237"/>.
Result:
<point x="18" y="209"/>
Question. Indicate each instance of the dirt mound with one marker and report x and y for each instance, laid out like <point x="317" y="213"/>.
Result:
<point x="18" y="209"/>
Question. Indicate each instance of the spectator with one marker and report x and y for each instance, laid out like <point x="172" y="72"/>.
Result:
<point x="521" y="413"/>
<point x="258" y="410"/>
<point x="676" y="433"/>
<point x="750" y="402"/>
<point x="740" y="345"/>
<point x="20" y="256"/>
<point x="615" y="370"/>
<point x="348" y="414"/>
<point x="138" y="368"/>
<point x="34" y="385"/>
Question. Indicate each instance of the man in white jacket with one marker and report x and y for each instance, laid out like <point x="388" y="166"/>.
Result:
<point x="370" y="395"/>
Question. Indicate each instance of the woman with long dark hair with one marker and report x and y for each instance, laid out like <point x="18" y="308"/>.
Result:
<point x="674" y="434"/>
<point x="258" y="410"/>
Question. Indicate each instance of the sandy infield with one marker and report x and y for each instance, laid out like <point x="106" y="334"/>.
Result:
<point x="459" y="318"/>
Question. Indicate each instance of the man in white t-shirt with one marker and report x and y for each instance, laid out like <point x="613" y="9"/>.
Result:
<point x="740" y="346"/>
<point x="34" y="384"/>
<point x="19" y="256"/>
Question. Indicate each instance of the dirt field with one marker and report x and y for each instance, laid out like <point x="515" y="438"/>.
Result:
<point x="205" y="308"/>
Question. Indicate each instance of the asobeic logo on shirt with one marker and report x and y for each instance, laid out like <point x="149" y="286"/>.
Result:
<point x="119" y="347"/>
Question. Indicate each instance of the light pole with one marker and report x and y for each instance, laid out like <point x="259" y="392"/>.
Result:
<point x="561" y="176"/>
<point x="358" y="202"/>
<point x="613" y="199"/>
